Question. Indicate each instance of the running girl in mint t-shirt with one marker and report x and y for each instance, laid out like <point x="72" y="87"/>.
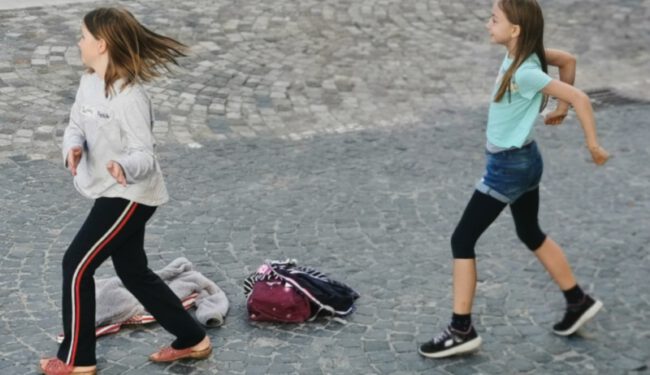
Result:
<point x="514" y="169"/>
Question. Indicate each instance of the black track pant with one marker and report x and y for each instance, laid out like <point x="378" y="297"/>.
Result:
<point x="482" y="210"/>
<point x="115" y="228"/>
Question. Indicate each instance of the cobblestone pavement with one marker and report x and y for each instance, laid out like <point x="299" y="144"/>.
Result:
<point x="374" y="209"/>
<point x="348" y="136"/>
<point x="291" y="70"/>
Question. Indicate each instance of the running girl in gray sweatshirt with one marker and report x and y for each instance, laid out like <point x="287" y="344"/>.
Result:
<point x="108" y="147"/>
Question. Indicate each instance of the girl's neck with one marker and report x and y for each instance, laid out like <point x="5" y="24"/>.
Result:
<point x="512" y="49"/>
<point x="100" y="67"/>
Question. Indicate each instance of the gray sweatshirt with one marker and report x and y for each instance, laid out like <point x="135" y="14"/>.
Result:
<point x="117" y="128"/>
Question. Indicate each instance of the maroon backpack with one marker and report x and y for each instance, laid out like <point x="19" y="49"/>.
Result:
<point x="273" y="300"/>
<point x="282" y="291"/>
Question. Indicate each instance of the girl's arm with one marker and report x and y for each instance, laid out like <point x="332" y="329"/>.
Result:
<point x="580" y="102"/>
<point x="566" y="64"/>
<point x="74" y="136"/>
<point x="73" y="141"/>
<point x="138" y="162"/>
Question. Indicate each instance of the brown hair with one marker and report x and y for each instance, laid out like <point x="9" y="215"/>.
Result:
<point x="135" y="53"/>
<point x="527" y="14"/>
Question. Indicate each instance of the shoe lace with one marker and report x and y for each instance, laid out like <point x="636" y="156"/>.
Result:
<point x="442" y="336"/>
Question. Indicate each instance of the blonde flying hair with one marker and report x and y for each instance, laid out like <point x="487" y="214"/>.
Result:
<point x="527" y="14"/>
<point x="135" y="53"/>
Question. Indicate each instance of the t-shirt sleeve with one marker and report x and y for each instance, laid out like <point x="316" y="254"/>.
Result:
<point x="530" y="81"/>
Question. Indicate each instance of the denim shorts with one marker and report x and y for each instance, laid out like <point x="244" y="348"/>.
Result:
<point x="511" y="173"/>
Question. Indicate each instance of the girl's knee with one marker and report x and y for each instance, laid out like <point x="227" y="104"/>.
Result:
<point x="461" y="247"/>
<point x="70" y="261"/>
<point x="533" y="237"/>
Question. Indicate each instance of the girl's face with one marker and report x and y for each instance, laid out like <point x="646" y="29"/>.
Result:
<point x="91" y="48"/>
<point x="501" y="30"/>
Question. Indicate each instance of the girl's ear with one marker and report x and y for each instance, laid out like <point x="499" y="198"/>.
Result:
<point x="515" y="31"/>
<point x="101" y="46"/>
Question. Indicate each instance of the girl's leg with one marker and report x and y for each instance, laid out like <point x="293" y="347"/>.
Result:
<point x="130" y="263"/>
<point x="481" y="211"/>
<point x="580" y="306"/>
<point x="552" y="257"/>
<point x="109" y="222"/>
<point x="460" y="336"/>
<point x="548" y="252"/>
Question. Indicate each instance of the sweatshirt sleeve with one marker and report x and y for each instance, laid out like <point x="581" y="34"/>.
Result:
<point x="74" y="134"/>
<point x="138" y="162"/>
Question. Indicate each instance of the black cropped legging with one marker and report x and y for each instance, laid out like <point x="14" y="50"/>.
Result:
<point x="482" y="210"/>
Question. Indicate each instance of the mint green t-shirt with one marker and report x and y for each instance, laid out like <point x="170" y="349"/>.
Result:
<point x="510" y="121"/>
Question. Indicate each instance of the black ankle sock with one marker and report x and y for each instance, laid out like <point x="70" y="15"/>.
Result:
<point x="574" y="296"/>
<point x="461" y="322"/>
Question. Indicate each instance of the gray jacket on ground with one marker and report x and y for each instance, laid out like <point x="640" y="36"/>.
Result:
<point x="115" y="304"/>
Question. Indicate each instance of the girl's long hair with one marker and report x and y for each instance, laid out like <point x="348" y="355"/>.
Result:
<point x="527" y="14"/>
<point x="135" y="53"/>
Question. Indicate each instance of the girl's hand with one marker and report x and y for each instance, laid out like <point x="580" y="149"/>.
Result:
<point x="556" y="117"/>
<point x="115" y="169"/>
<point x="74" y="156"/>
<point x="598" y="154"/>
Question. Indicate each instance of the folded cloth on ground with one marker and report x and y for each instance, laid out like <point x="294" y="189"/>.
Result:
<point x="115" y="304"/>
<point x="108" y="329"/>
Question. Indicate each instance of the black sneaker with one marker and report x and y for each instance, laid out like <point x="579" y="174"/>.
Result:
<point x="577" y="315"/>
<point x="450" y="342"/>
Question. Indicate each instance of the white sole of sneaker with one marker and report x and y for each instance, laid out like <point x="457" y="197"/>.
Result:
<point x="593" y="310"/>
<point x="460" y="349"/>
